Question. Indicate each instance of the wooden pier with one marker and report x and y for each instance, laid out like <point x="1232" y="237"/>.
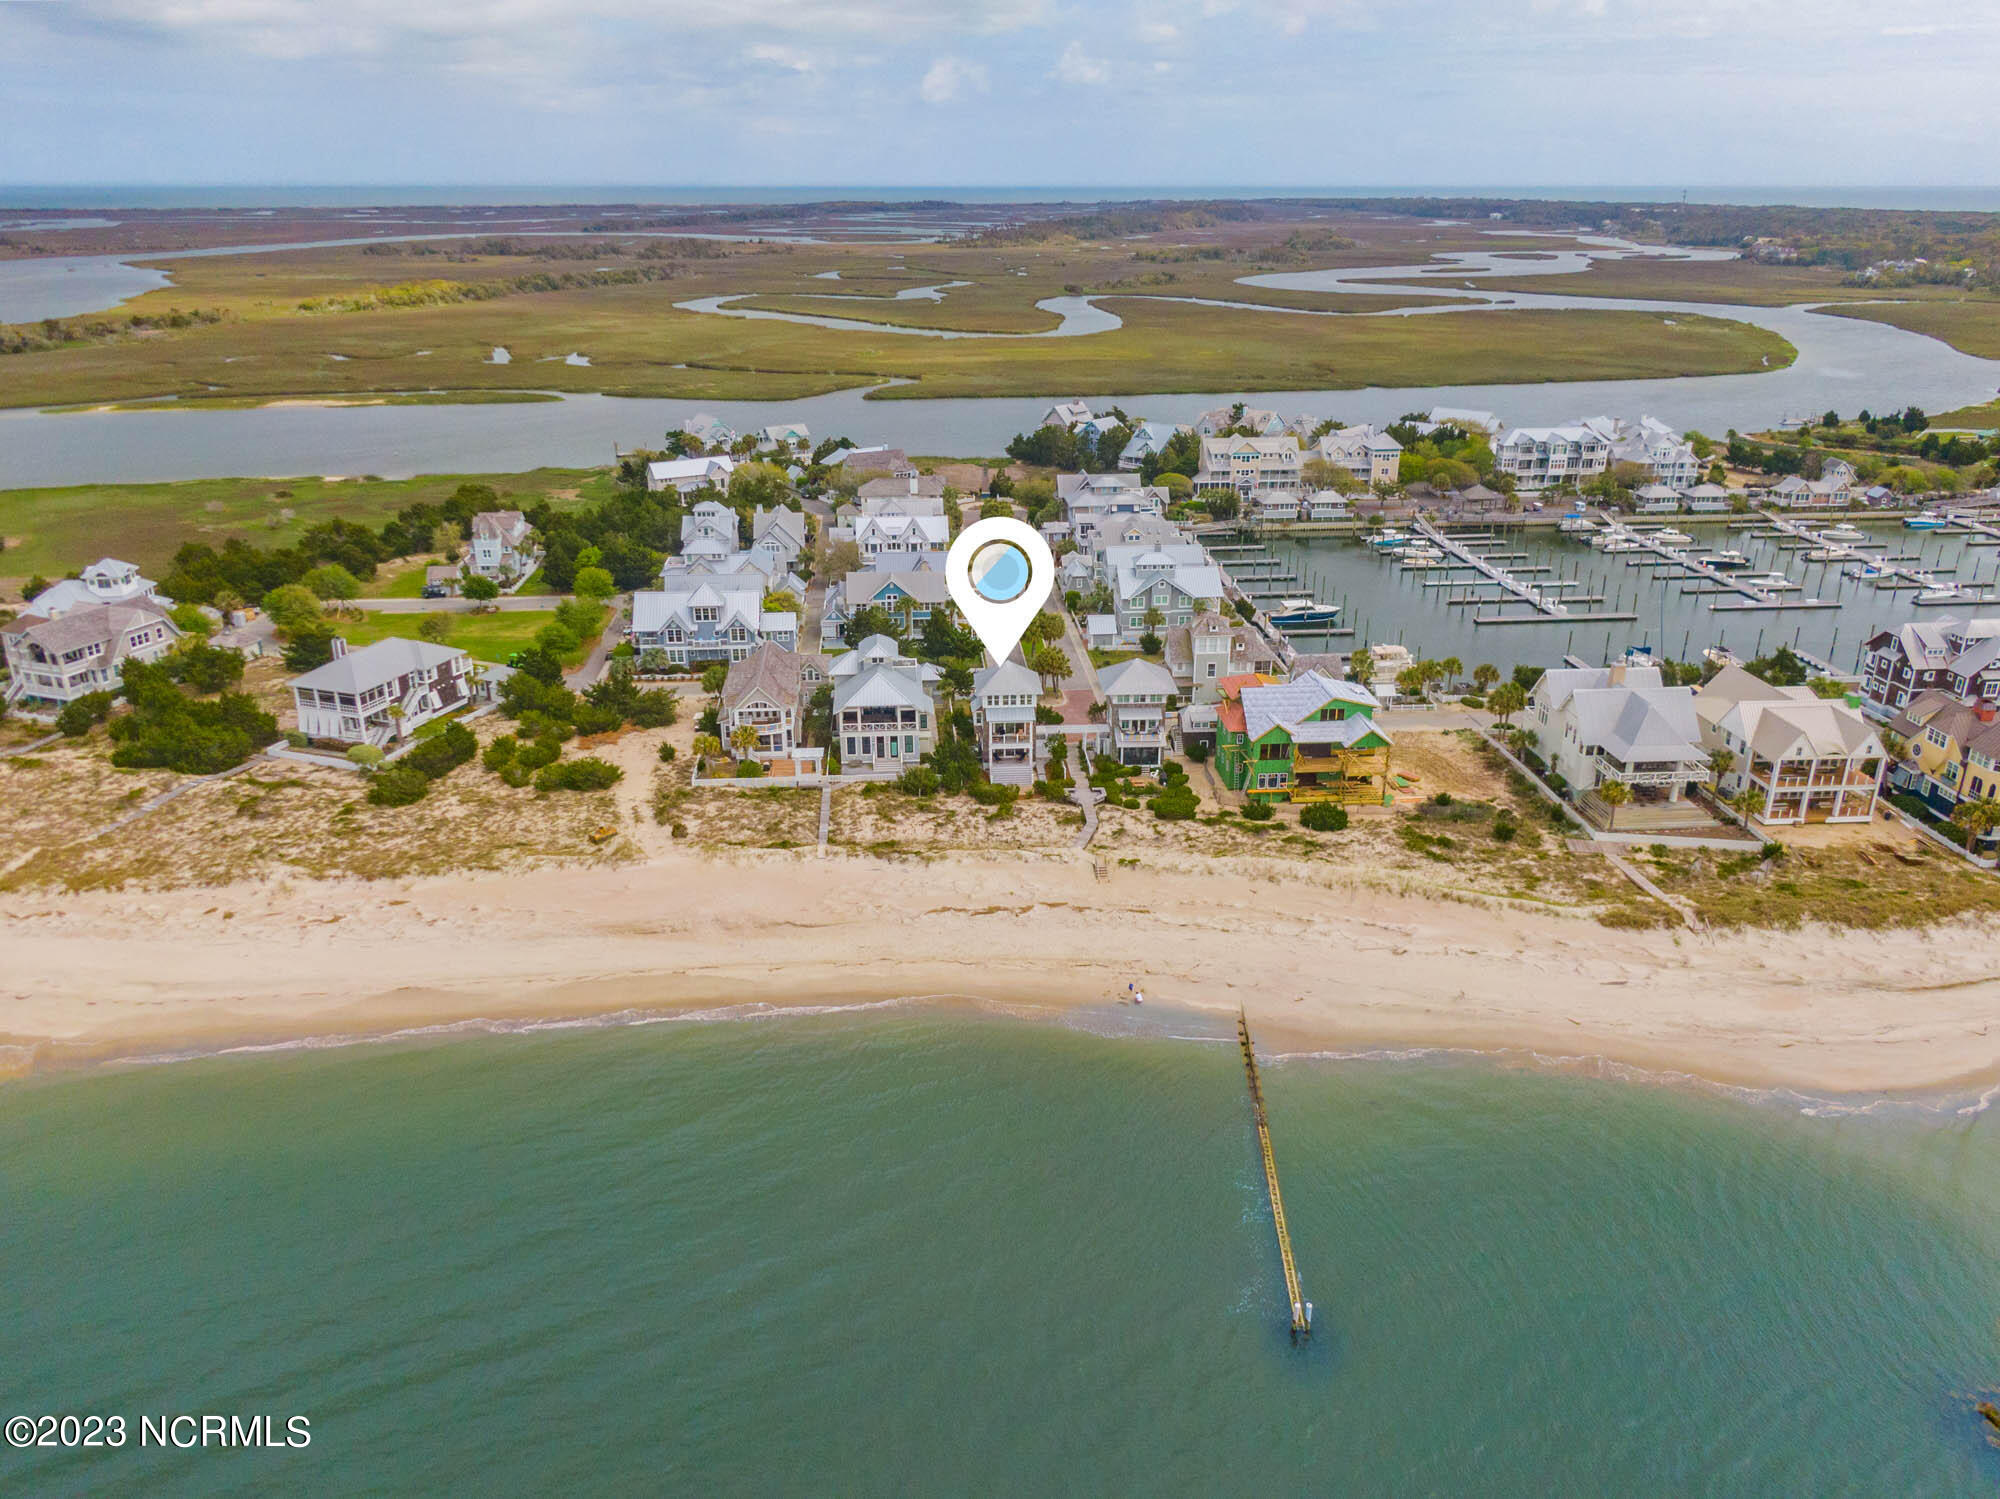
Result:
<point x="1301" y="1309"/>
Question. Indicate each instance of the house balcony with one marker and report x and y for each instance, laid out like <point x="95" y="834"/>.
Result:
<point x="1650" y="772"/>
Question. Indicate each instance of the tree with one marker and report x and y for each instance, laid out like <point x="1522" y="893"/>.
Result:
<point x="1323" y="817"/>
<point x="1449" y="670"/>
<point x="1747" y="803"/>
<point x="995" y="509"/>
<point x="743" y="738"/>
<point x="1050" y="664"/>
<point x="1223" y="504"/>
<point x="207" y="668"/>
<point x="332" y="581"/>
<point x="870" y="619"/>
<point x="309" y="649"/>
<point x="842" y="558"/>
<point x="1720" y="763"/>
<point x="1979" y="817"/>
<point x="367" y="756"/>
<point x="434" y="628"/>
<point x="713" y="676"/>
<point x="1361" y="665"/>
<point x="706" y="747"/>
<point x="1484" y="675"/>
<point x="781" y="601"/>
<point x="757" y="484"/>
<point x="594" y="583"/>
<point x="1149" y="644"/>
<point x="292" y="608"/>
<point x="480" y="590"/>
<point x="1506" y="700"/>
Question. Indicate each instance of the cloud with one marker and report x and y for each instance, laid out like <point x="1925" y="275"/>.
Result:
<point x="789" y="58"/>
<point x="1159" y="33"/>
<point x="1076" y="66"/>
<point x="949" y="77"/>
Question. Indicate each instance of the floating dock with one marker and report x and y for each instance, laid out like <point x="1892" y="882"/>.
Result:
<point x="1301" y="1309"/>
<point x="1886" y="572"/>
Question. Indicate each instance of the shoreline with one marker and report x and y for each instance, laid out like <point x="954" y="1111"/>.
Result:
<point x="1321" y="965"/>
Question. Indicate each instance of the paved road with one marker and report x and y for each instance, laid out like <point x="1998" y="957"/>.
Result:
<point x="1082" y="675"/>
<point x="593" y="664"/>
<point x="506" y="605"/>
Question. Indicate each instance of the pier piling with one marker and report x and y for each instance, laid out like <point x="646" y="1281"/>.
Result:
<point x="1301" y="1309"/>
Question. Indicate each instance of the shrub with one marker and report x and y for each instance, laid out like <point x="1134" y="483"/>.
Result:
<point x="332" y="581"/>
<point x="442" y="753"/>
<point x="1323" y="817"/>
<point x="480" y="590"/>
<point x="207" y="668"/>
<point x="589" y="718"/>
<point x="367" y="756"/>
<point x="586" y="774"/>
<point x="1259" y="811"/>
<point x="1176" y="804"/>
<point x="1197" y="750"/>
<point x="167" y="729"/>
<point x="398" y="786"/>
<point x="295" y="739"/>
<point x="500" y="753"/>
<point x="918" y="780"/>
<point x="538" y="752"/>
<point x="989" y="795"/>
<point x="80" y="715"/>
<point x="1504" y="828"/>
<point x="748" y="770"/>
<point x="667" y="753"/>
<point x="1442" y="799"/>
<point x="310" y="647"/>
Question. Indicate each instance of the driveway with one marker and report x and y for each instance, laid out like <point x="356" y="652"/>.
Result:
<point x="593" y="664"/>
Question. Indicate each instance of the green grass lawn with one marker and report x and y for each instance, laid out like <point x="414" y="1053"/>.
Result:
<point x="397" y="580"/>
<point x="489" y="637"/>
<point x="55" y="531"/>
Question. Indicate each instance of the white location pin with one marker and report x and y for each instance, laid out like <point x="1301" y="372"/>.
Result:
<point x="999" y="572"/>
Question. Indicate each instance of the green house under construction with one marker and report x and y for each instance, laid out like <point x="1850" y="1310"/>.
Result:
<point x="1312" y="739"/>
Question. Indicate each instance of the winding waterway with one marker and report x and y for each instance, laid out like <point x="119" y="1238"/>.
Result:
<point x="1842" y="363"/>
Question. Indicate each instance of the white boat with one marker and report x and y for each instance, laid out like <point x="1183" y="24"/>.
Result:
<point x="1382" y="540"/>
<point x="1948" y="594"/>
<point x="1421" y="560"/>
<point x="1727" y="560"/>
<point x="1925" y="520"/>
<point x="1721" y="655"/>
<point x="1843" y="532"/>
<point x="1612" y="533"/>
<point x="1671" y="538"/>
<point x="1771" y="582"/>
<point x="1292" y="614"/>
<point x="1867" y="571"/>
<point x="1576" y="525"/>
<point x="1622" y="544"/>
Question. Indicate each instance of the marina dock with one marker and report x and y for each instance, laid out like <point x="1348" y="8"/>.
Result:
<point x="1301" y="1309"/>
<point x="1886" y="571"/>
<point x="1551" y="604"/>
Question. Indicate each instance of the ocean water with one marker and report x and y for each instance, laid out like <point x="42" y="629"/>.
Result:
<point x="912" y="1252"/>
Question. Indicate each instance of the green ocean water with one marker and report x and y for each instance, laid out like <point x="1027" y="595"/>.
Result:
<point x="905" y="1252"/>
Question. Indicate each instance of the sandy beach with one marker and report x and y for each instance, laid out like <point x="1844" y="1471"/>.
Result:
<point x="1318" y="963"/>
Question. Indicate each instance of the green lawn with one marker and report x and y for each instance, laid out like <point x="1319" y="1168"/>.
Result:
<point x="397" y="580"/>
<point x="489" y="637"/>
<point x="55" y="531"/>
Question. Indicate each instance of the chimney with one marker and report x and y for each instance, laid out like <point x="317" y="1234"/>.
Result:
<point x="339" y="646"/>
<point x="1985" y="711"/>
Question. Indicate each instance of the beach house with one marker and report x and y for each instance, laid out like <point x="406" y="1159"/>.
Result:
<point x="1538" y="457"/>
<point x="908" y="595"/>
<point x="883" y="717"/>
<point x="1097" y="502"/>
<point x="686" y="475"/>
<point x="1312" y="739"/>
<point x="1959" y="657"/>
<point x="1368" y="453"/>
<point x="1147" y="439"/>
<point x="892" y="536"/>
<point x="1952" y="749"/>
<point x="1595" y="725"/>
<point x="1003" y="718"/>
<point x="694" y="619"/>
<point x="1136" y="694"/>
<point x="105" y="581"/>
<point x="1158" y="587"/>
<point x="382" y="693"/>
<point x="778" y="535"/>
<point x="1210" y="647"/>
<point x="1220" y="419"/>
<point x="66" y="645"/>
<point x="1066" y="414"/>
<point x="1807" y="758"/>
<point x="503" y="545"/>
<point x="1249" y="466"/>
<point x="769" y="690"/>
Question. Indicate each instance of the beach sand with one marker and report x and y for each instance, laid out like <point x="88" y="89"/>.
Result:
<point x="1319" y="963"/>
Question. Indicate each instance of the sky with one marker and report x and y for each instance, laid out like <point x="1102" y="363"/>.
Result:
<point x="1249" y="93"/>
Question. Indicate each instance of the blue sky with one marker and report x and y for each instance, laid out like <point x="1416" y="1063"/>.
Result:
<point x="1245" y="92"/>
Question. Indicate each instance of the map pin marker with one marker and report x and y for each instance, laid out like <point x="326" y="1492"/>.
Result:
<point x="999" y="573"/>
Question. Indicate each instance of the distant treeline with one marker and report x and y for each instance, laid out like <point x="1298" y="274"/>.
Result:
<point x="562" y="249"/>
<point x="54" y="333"/>
<point x="1116" y="223"/>
<point x="444" y="293"/>
<point x="1850" y="239"/>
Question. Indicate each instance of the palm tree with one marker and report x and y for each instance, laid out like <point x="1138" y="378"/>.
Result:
<point x="1747" y="803"/>
<point x="1721" y="762"/>
<point x="1978" y="817"/>
<point x="1614" y="794"/>
<point x="1450" y="670"/>
<point x="1507" y="699"/>
<point x="1484" y="675"/>
<point x="706" y="747"/>
<point x="743" y="739"/>
<point x="1361" y="665"/>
